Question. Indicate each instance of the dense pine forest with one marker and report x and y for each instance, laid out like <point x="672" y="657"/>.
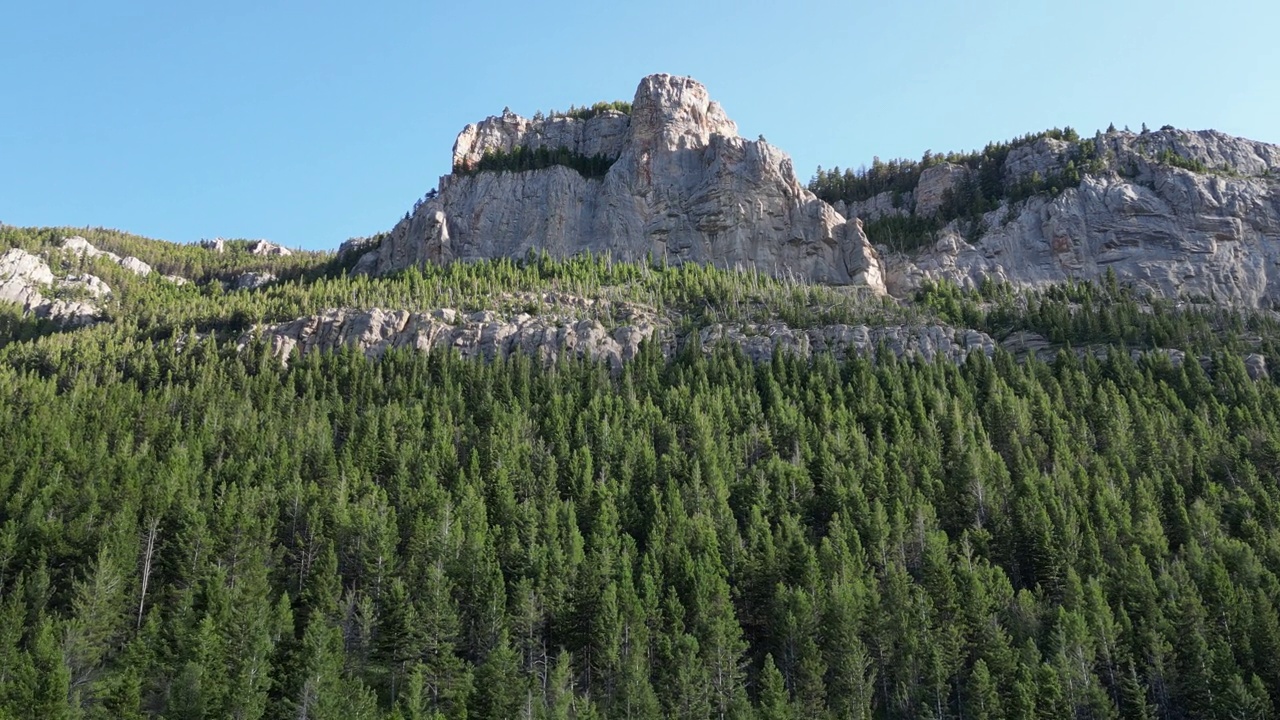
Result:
<point x="189" y="528"/>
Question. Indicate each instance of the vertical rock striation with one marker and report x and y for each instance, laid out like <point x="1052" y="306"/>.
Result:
<point x="1176" y="213"/>
<point x="682" y="187"/>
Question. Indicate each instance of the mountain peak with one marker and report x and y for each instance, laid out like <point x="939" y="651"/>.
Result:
<point x="666" y="176"/>
<point x="677" y="111"/>
<point x="1177" y="213"/>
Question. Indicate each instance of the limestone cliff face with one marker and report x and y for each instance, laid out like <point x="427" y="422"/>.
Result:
<point x="1182" y="214"/>
<point x="581" y="327"/>
<point x="603" y="134"/>
<point x="683" y="187"/>
<point x="573" y="327"/>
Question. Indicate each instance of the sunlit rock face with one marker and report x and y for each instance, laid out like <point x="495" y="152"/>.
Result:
<point x="1211" y="232"/>
<point x="682" y="187"/>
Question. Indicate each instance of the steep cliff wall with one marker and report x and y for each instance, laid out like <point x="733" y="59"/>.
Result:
<point x="1182" y="214"/>
<point x="575" y="327"/>
<point x="683" y="186"/>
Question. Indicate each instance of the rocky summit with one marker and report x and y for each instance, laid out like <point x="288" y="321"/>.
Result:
<point x="1181" y="214"/>
<point x="671" y="180"/>
<point x="1189" y="215"/>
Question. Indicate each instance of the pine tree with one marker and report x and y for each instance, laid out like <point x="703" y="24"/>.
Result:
<point x="775" y="704"/>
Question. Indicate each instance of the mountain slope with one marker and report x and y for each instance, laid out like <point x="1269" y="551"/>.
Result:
<point x="434" y="493"/>
<point x="192" y="529"/>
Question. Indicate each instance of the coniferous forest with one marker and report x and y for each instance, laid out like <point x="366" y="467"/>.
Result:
<point x="190" y="529"/>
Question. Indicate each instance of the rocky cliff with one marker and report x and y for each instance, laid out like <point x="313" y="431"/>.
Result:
<point x="680" y="185"/>
<point x="568" y="326"/>
<point x="572" y="326"/>
<point x="24" y="277"/>
<point x="1181" y="214"/>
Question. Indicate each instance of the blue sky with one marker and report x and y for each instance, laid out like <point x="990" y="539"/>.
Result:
<point x="308" y="123"/>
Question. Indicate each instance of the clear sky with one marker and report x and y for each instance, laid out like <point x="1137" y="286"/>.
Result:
<point x="310" y="122"/>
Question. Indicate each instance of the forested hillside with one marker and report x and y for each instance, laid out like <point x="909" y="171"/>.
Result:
<point x="192" y="529"/>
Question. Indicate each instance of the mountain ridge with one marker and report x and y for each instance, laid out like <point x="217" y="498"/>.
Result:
<point x="1179" y="213"/>
<point x="682" y="187"/>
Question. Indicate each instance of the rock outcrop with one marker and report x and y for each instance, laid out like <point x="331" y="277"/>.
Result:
<point x="935" y="183"/>
<point x="1181" y="214"/>
<point x="252" y="281"/>
<point x="484" y="334"/>
<point x="573" y="327"/>
<point x="604" y="134"/>
<point x="91" y="285"/>
<point x="264" y="248"/>
<point x="70" y="313"/>
<point x="1025" y="344"/>
<point x="758" y="341"/>
<point x="84" y="248"/>
<point x="682" y="186"/>
<point x="577" y="327"/>
<point x="22" y="278"/>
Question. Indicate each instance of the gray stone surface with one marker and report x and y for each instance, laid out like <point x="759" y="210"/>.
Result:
<point x="1256" y="365"/>
<point x="684" y="187"/>
<point x="69" y="313"/>
<point x="482" y="334"/>
<point x="926" y="341"/>
<point x="935" y="183"/>
<point x="264" y="248"/>
<point x="877" y="206"/>
<point x="84" y="248"/>
<point x="23" y="276"/>
<point x="572" y="326"/>
<point x="1178" y="233"/>
<point x="88" y="284"/>
<point x="1045" y="156"/>
<point x="135" y="266"/>
<point x="603" y="135"/>
<point x="252" y="280"/>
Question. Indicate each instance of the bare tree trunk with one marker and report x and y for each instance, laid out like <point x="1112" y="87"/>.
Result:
<point x="153" y="529"/>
